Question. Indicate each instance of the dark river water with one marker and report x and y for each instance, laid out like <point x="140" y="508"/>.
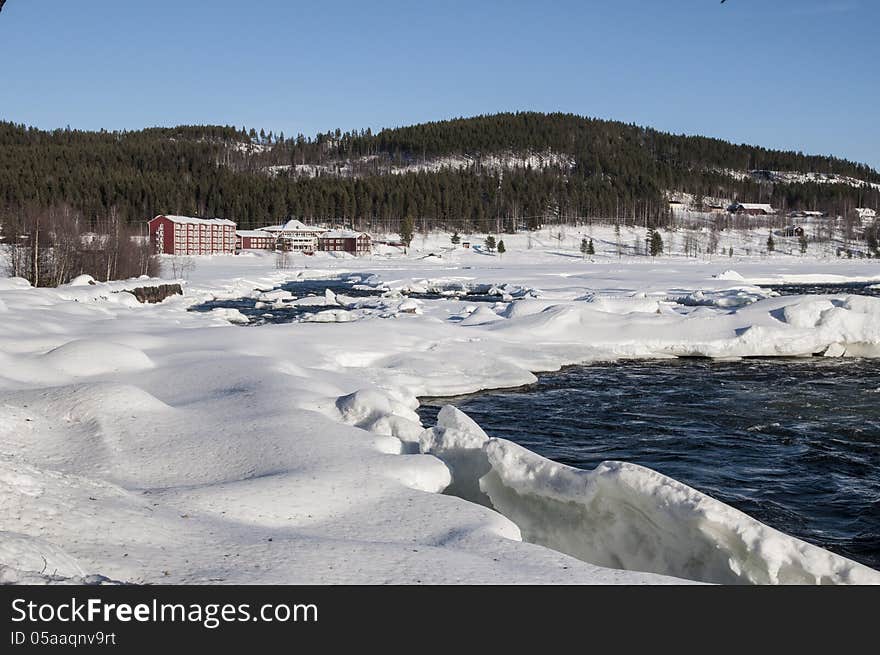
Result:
<point x="289" y="312"/>
<point x="793" y="443"/>
<point x="858" y="288"/>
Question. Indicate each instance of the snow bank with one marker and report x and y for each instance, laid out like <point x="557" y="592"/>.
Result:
<point x="81" y="281"/>
<point x="230" y="314"/>
<point x="84" y="357"/>
<point x="637" y="302"/>
<point x="13" y="283"/>
<point x="33" y="554"/>
<point x="626" y="516"/>
<point x="149" y="444"/>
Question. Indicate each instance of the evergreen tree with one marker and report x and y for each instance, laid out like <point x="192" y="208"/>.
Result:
<point x="771" y="244"/>
<point x="591" y="250"/>
<point x="585" y="247"/>
<point x="490" y="243"/>
<point x="407" y="229"/>
<point x="501" y="248"/>
<point x="730" y="251"/>
<point x="802" y="242"/>
<point x="455" y="239"/>
<point x="872" y="240"/>
<point x="656" y="244"/>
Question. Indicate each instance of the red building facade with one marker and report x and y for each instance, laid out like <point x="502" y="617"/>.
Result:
<point x="356" y="243"/>
<point x="254" y="240"/>
<point x="185" y="235"/>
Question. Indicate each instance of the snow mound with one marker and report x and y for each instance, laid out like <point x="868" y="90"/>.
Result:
<point x="367" y="408"/>
<point x="35" y="555"/>
<point x="730" y="275"/>
<point x="10" y="575"/>
<point x="634" y="303"/>
<point x="275" y="296"/>
<point x="410" y="306"/>
<point x="527" y="307"/>
<point x="806" y="314"/>
<point x="13" y="283"/>
<point x="481" y="316"/>
<point x="83" y="357"/>
<point x="82" y="281"/>
<point x="329" y="316"/>
<point x="626" y="516"/>
<point x="230" y="314"/>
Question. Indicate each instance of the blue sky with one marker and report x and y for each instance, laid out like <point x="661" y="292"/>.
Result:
<point x="793" y="74"/>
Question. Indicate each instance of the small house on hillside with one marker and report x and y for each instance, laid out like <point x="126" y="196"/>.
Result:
<point x="791" y="231"/>
<point x="751" y="208"/>
<point x="864" y="214"/>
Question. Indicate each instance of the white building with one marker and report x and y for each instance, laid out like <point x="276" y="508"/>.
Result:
<point x="295" y="235"/>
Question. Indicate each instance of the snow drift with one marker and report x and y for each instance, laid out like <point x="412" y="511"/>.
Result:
<point x="626" y="516"/>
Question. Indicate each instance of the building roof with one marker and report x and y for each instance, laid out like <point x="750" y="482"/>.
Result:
<point x="342" y="234"/>
<point x="293" y="225"/>
<point x="755" y="206"/>
<point x="865" y="212"/>
<point x="190" y="220"/>
<point x="254" y="233"/>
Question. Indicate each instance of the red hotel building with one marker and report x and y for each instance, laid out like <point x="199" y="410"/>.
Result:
<point x="184" y="235"/>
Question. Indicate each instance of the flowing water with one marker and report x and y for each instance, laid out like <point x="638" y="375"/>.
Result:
<point x="857" y="288"/>
<point x="288" y="312"/>
<point x="793" y="443"/>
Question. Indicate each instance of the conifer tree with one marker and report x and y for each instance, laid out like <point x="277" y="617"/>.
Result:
<point x="501" y="248"/>
<point x="455" y="239"/>
<point x="490" y="243"/>
<point x="585" y="247"/>
<point x="871" y="238"/>
<point x="656" y="244"/>
<point x="771" y="244"/>
<point x="591" y="250"/>
<point x="407" y="229"/>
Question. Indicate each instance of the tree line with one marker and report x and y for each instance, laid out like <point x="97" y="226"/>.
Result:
<point x="619" y="172"/>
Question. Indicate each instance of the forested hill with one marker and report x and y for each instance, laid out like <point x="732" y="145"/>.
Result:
<point x="470" y="173"/>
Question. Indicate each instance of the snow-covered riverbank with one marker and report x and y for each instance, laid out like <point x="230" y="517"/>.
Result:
<point x="146" y="443"/>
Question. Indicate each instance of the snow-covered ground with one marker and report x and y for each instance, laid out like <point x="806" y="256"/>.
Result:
<point x="149" y="444"/>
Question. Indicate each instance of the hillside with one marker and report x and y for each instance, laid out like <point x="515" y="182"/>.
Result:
<point x="486" y="172"/>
